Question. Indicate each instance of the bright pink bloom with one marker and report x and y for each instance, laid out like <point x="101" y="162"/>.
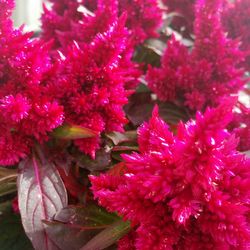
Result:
<point x="236" y="20"/>
<point x="65" y="22"/>
<point x="211" y="70"/>
<point x="90" y="84"/>
<point x="189" y="191"/>
<point x="26" y="113"/>
<point x="60" y="19"/>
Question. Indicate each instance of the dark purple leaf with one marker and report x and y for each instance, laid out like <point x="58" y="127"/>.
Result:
<point x="141" y="105"/>
<point x="101" y="161"/>
<point x="139" y="108"/>
<point x="108" y="236"/>
<point x="171" y="113"/>
<point x="118" y="137"/>
<point x="74" y="226"/>
<point x="41" y="193"/>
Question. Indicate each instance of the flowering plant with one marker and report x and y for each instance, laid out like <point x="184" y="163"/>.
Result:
<point x="125" y="125"/>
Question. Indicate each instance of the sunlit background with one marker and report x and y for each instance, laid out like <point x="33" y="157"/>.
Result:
<point x="28" y="12"/>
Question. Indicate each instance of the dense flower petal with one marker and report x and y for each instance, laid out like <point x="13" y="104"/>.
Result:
<point x="187" y="191"/>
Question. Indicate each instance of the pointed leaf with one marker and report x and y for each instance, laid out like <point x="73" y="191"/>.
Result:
<point x="139" y="108"/>
<point x="74" y="226"/>
<point x="171" y="113"/>
<point x="118" y="137"/>
<point x="108" y="236"/>
<point x="41" y="193"/>
<point x="72" y="132"/>
<point x="101" y="162"/>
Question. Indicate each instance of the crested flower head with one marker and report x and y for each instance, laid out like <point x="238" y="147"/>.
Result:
<point x="26" y="113"/>
<point x="183" y="191"/>
<point x="60" y="19"/>
<point x="210" y="71"/>
<point x="236" y="20"/>
<point x="90" y="84"/>
<point x="65" y="22"/>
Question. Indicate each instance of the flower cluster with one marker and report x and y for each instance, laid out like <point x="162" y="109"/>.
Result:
<point x="241" y="126"/>
<point x="65" y="22"/>
<point x="211" y="70"/>
<point x="63" y="16"/>
<point x="90" y="84"/>
<point x="26" y="113"/>
<point x="236" y="20"/>
<point x="188" y="191"/>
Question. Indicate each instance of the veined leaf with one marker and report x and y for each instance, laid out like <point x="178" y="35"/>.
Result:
<point x="74" y="226"/>
<point x="41" y="193"/>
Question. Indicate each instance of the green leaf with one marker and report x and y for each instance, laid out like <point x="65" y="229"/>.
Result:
<point x="73" y="132"/>
<point x="125" y="148"/>
<point x="12" y="235"/>
<point x="148" y="55"/>
<point x="108" y="236"/>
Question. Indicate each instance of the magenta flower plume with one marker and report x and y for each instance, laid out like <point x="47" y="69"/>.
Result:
<point x="26" y="113"/>
<point x="60" y="19"/>
<point x="236" y="20"/>
<point x="83" y="28"/>
<point x="91" y="84"/>
<point x="65" y="22"/>
<point x="144" y="17"/>
<point x="211" y="70"/>
<point x="189" y="191"/>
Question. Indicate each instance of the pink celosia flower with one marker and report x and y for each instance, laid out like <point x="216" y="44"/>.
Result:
<point x="26" y="112"/>
<point x="189" y="191"/>
<point x="60" y="19"/>
<point x="236" y="20"/>
<point x="211" y="70"/>
<point x="90" y="84"/>
<point x="144" y="17"/>
<point x="65" y="23"/>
